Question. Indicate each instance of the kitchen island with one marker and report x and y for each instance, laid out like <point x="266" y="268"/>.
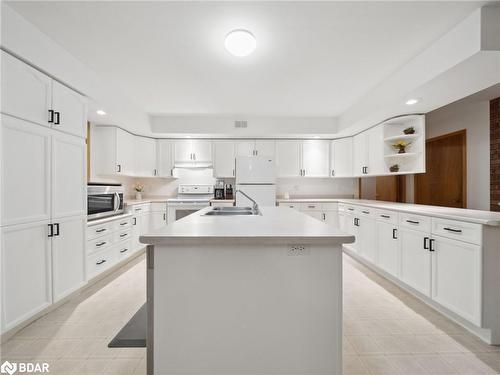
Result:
<point x="253" y="294"/>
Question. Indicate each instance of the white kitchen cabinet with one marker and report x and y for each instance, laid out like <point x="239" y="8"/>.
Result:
<point x="68" y="176"/>
<point x="202" y="150"/>
<point x="70" y="110"/>
<point x="165" y="157"/>
<point x="245" y="147"/>
<point x="360" y="154"/>
<point x="367" y="234"/>
<point x="341" y="157"/>
<point x="183" y="151"/>
<point x="331" y="218"/>
<point x="26" y="272"/>
<point x="158" y="216"/>
<point x="265" y="147"/>
<point x="456" y="277"/>
<point x="388" y="248"/>
<point x="375" y="145"/>
<point x="68" y="256"/>
<point x="25" y="152"/>
<point x="112" y="151"/>
<point x="415" y="260"/>
<point x="125" y="163"/>
<point x="145" y="156"/>
<point x="314" y="214"/>
<point x="315" y="158"/>
<point x="343" y="221"/>
<point x="26" y="92"/>
<point x="288" y="158"/>
<point x="224" y="158"/>
<point x="193" y="151"/>
<point x="136" y="230"/>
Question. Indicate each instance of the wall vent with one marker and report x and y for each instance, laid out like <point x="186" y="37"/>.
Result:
<point x="240" y="124"/>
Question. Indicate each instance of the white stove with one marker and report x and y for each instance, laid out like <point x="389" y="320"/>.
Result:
<point x="190" y="198"/>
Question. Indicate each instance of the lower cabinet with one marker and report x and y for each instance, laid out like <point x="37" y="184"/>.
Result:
<point x="367" y="234"/>
<point x="158" y="216"/>
<point x="456" y="277"/>
<point x="26" y="272"/>
<point x="388" y="248"/>
<point x="416" y="260"/>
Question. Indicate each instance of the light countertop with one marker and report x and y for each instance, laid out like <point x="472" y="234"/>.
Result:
<point x="307" y="200"/>
<point x="133" y="201"/>
<point x="277" y="223"/>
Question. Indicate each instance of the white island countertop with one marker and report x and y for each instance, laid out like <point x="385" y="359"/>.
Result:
<point x="275" y="223"/>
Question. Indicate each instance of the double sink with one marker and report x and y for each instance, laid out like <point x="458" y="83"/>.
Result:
<point x="233" y="211"/>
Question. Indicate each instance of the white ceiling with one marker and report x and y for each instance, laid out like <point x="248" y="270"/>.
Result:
<point x="312" y="59"/>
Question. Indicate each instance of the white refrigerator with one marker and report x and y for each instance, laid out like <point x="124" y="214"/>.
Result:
<point x="256" y="176"/>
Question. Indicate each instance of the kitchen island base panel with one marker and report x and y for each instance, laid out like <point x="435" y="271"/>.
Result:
<point x="245" y="309"/>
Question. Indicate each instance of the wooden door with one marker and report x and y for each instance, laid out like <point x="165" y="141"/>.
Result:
<point x="391" y="188"/>
<point x="445" y="180"/>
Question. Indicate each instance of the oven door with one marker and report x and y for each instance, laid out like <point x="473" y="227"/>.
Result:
<point x="178" y="211"/>
<point x="102" y="205"/>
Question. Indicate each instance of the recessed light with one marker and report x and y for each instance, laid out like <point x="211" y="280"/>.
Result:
<point x="412" y="101"/>
<point x="100" y="112"/>
<point x="240" y="42"/>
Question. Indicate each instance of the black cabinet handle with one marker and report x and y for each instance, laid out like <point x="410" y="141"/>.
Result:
<point x="165" y="217"/>
<point x="123" y="250"/>
<point x="431" y="248"/>
<point x="51" y="116"/>
<point x="324" y="217"/>
<point x="426" y="245"/>
<point x="154" y="172"/>
<point x="394" y="234"/>
<point x="100" y="230"/>
<point x="365" y="212"/>
<point x="124" y="223"/>
<point x="351" y="209"/>
<point x="135" y="221"/>
<point x="138" y="209"/>
<point x="119" y="168"/>
<point x="100" y="244"/>
<point x="101" y="262"/>
<point x="123" y="235"/>
<point x="385" y="216"/>
<point x="57" y="118"/>
<point x="51" y="230"/>
<point x="356" y="221"/>
<point x="412" y="222"/>
<point x="333" y="173"/>
<point x="453" y="230"/>
<point x="56" y="232"/>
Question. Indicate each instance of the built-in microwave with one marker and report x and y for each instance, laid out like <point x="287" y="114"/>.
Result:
<point x="104" y="200"/>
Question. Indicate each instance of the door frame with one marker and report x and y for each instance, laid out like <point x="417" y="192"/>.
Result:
<point x="462" y="132"/>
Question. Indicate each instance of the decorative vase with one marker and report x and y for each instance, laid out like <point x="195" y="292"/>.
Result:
<point x="138" y="195"/>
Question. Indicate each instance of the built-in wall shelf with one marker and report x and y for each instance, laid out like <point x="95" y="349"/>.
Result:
<point x="402" y="156"/>
<point x="402" y="137"/>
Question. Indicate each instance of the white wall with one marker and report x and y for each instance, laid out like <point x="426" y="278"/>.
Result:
<point x="474" y="116"/>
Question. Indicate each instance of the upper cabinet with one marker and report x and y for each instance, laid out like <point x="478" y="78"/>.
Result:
<point x="192" y="152"/>
<point x="165" y="157"/>
<point x="302" y="158"/>
<point x="224" y="158"/>
<point x="360" y="154"/>
<point x="341" y="157"/>
<point x="123" y="160"/>
<point x="31" y="95"/>
<point x="145" y="157"/>
<point x="256" y="147"/>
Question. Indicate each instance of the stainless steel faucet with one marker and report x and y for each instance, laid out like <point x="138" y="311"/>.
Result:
<point x="255" y="205"/>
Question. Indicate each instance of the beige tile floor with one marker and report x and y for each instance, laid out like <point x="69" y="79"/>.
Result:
<point x="386" y="331"/>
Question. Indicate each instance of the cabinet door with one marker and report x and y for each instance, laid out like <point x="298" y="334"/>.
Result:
<point x="68" y="176"/>
<point x="359" y="154"/>
<point x="224" y="161"/>
<point x="145" y="155"/>
<point x="136" y="231"/>
<point x="264" y="147"/>
<point x="341" y="157"/>
<point x="314" y="214"/>
<point x="375" y="143"/>
<point x="68" y="256"/>
<point x="26" y="93"/>
<point x="456" y="277"/>
<point x="26" y="272"/>
<point x="388" y="248"/>
<point x="70" y="110"/>
<point x="367" y="239"/>
<point x="125" y="153"/>
<point x="353" y="229"/>
<point x="415" y="260"/>
<point x="343" y="222"/>
<point x="316" y="158"/>
<point x="165" y="161"/>
<point x="25" y="171"/>
<point x="245" y="147"/>
<point x="202" y="150"/>
<point x="331" y="218"/>
<point x="288" y="158"/>
<point x="145" y="223"/>
<point x="183" y="151"/>
<point x="158" y="220"/>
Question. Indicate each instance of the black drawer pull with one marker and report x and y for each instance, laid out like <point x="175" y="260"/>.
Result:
<point x="123" y="250"/>
<point x="100" y="230"/>
<point x="311" y="206"/>
<point x="100" y="262"/>
<point x="412" y="222"/>
<point x="123" y="235"/>
<point x="385" y="216"/>
<point x="453" y="230"/>
<point x="351" y="209"/>
<point x="100" y="244"/>
<point x="138" y="209"/>
<point x="125" y="223"/>
<point x="365" y="212"/>
<point x="426" y="245"/>
<point x="394" y="234"/>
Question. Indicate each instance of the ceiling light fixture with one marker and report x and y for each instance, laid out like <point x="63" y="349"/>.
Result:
<point x="100" y="112"/>
<point x="412" y="101"/>
<point x="240" y="43"/>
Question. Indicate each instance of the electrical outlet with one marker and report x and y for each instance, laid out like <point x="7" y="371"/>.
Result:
<point x="297" y="250"/>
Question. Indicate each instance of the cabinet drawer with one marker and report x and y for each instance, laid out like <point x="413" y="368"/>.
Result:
<point x="333" y="206"/>
<point x="366" y="211"/>
<point x="310" y="206"/>
<point x="457" y="230"/>
<point x="348" y="209"/>
<point x="100" y="261"/>
<point x="295" y="206"/>
<point x="123" y="223"/>
<point x="99" y="243"/>
<point x="122" y="235"/>
<point x="123" y="250"/>
<point x="158" y="207"/>
<point x="416" y="222"/>
<point x="387" y="216"/>
<point x="96" y="231"/>
<point x="140" y="208"/>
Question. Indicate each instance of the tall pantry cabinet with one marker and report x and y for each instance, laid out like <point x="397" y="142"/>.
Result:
<point x="43" y="191"/>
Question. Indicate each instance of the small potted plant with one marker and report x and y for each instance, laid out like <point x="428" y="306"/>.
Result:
<point x="394" y="168"/>
<point x="139" y="188"/>
<point x="410" y="130"/>
<point x="401" y="146"/>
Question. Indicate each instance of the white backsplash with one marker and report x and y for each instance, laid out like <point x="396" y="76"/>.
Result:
<point x="318" y="187"/>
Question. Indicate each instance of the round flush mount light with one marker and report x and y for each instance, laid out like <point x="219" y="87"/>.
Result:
<point x="100" y="112"/>
<point x="412" y="101"/>
<point x="240" y="42"/>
